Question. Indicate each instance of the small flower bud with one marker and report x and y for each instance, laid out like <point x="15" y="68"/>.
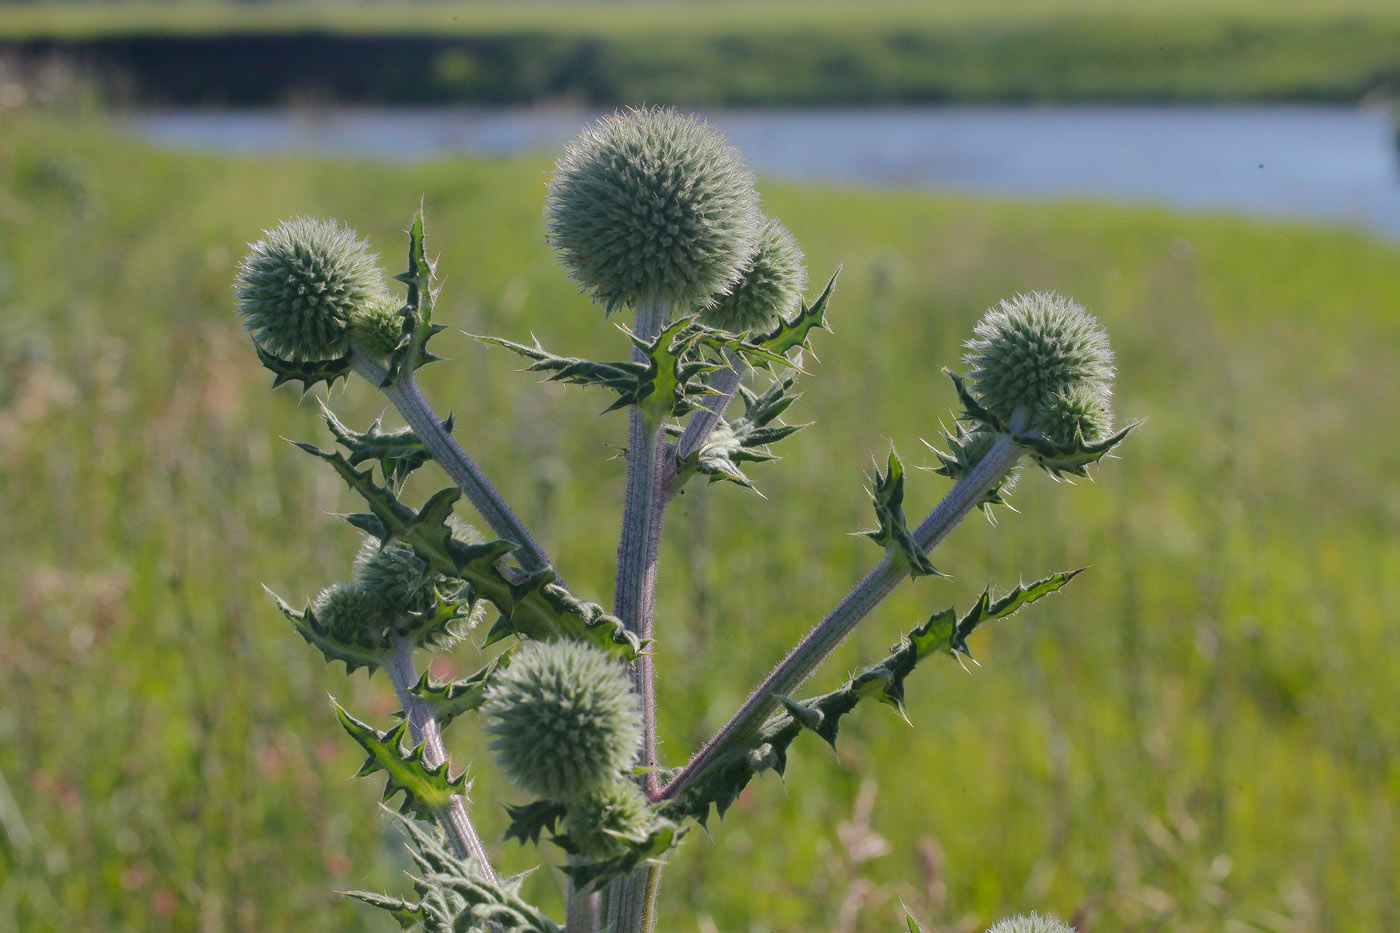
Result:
<point x="771" y="286"/>
<point x="1031" y="923"/>
<point x="300" y="285"/>
<point x="396" y="576"/>
<point x="352" y="615"/>
<point x="651" y="204"/>
<point x="563" y="719"/>
<point x="1079" y="415"/>
<point x="1031" y="348"/>
<point x="600" y="825"/>
<point x="377" y="327"/>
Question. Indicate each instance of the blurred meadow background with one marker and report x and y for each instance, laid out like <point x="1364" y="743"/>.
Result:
<point x="1197" y="735"/>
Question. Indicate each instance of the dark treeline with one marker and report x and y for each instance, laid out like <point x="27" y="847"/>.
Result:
<point x="1070" y="61"/>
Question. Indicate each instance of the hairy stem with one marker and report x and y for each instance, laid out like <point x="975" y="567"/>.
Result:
<point x="633" y="906"/>
<point x="406" y="397"/>
<point x="424" y="727"/>
<point x="832" y="630"/>
<point x="724" y="383"/>
<point x="582" y="912"/>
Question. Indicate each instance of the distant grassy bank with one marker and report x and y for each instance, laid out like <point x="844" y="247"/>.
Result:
<point x="766" y="52"/>
<point x="1197" y="736"/>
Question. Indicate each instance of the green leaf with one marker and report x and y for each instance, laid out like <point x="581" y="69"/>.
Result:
<point x="398" y="453"/>
<point x="910" y="924"/>
<point x="454" y="894"/>
<point x="944" y="633"/>
<point x="452" y="698"/>
<point x="893" y="534"/>
<point x="744" y="440"/>
<point x="427" y="791"/>
<point x="418" y="327"/>
<point x="593" y="875"/>
<point x="789" y="335"/>
<point x="972" y="410"/>
<point x="366" y="653"/>
<point x="1071" y="458"/>
<point x="618" y="377"/>
<point x="534" y="606"/>
<point x="528" y="821"/>
<point x="307" y="372"/>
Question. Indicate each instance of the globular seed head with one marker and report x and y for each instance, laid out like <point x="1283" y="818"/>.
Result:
<point x="601" y="824"/>
<point x="1081" y="414"/>
<point x="300" y="285"/>
<point x="649" y="204"/>
<point x="377" y="327"/>
<point x="770" y="288"/>
<point x="563" y="719"/>
<point x="1031" y="348"/>
<point x="1031" y="923"/>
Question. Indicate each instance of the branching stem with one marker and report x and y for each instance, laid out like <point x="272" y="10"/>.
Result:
<point x="832" y="630"/>
<point x="406" y="397"/>
<point x="423" y="725"/>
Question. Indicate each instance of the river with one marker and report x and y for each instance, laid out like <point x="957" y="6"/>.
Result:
<point x="1333" y="164"/>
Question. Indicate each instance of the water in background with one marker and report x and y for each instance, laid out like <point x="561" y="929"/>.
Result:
<point x="1337" y="164"/>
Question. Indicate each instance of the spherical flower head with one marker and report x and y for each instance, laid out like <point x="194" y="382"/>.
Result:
<point x="396" y="576"/>
<point x="299" y="286"/>
<point x="771" y="286"/>
<point x="564" y="720"/>
<point x="1031" y="348"/>
<point x="649" y="204"/>
<point x="377" y="327"/>
<point x="1079" y="415"/>
<point x="1031" y="923"/>
<point x="600" y="825"/>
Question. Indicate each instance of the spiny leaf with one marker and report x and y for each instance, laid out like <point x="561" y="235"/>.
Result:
<point x="451" y="698"/>
<point x="893" y="534"/>
<point x="418" y="327"/>
<point x="972" y="410"/>
<point x="366" y="653"/>
<point x="533" y="606"/>
<point x="744" y="440"/>
<point x="307" y="372"/>
<point x="592" y="875"/>
<point x="792" y="334"/>
<point x="528" y="821"/>
<point x="398" y="452"/>
<point x="619" y="377"/>
<point x="455" y="896"/>
<point x="944" y="633"/>
<point x="1072" y="458"/>
<point x="427" y="790"/>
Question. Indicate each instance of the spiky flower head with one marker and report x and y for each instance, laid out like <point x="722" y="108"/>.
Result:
<point x="771" y="286"/>
<point x="564" y="720"/>
<point x="601" y="825"/>
<point x="1031" y="923"/>
<point x="1031" y="348"/>
<point x="377" y="327"/>
<point x="649" y="204"/>
<point x="1079" y="415"/>
<point x="396" y="576"/>
<point x="300" y="285"/>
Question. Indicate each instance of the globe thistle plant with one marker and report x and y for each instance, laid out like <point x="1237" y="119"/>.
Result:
<point x="1032" y="348"/>
<point x="301" y="285"/>
<point x="564" y="720"/>
<point x="771" y="286"/>
<point x="653" y="210"/>
<point x="649" y="204"/>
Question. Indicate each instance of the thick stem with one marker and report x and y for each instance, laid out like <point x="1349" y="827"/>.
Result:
<point x="634" y="598"/>
<point x="405" y="396"/>
<point x="832" y="630"/>
<point x="632" y="909"/>
<point x="582" y="912"/>
<point x="424" y="727"/>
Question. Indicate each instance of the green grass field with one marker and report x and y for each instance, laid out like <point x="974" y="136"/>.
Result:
<point x="730" y="51"/>
<point x="1196" y="736"/>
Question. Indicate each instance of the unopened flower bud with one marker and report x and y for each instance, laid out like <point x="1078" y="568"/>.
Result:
<point x="377" y="327"/>
<point x="1079" y="415"/>
<point x="649" y="204"/>
<point x="300" y="285"/>
<point x="771" y="286"/>
<point x="1032" y="348"/>
<point x="600" y="825"/>
<point x="564" y="720"/>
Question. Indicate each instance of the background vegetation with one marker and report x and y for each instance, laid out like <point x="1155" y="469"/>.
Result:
<point x="1197" y="735"/>
<point x="737" y="52"/>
